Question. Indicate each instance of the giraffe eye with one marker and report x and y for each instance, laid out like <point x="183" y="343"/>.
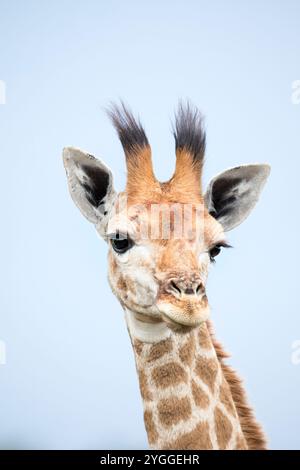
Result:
<point x="121" y="243"/>
<point x="215" y="251"/>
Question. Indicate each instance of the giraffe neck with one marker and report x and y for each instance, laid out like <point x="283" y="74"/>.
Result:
<point x="187" y="400"/>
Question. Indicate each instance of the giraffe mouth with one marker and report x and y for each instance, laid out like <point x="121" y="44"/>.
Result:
<point x="189" y="315"/>
<point x="175" y="326"/>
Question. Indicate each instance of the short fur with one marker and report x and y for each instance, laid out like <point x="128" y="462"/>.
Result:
<point x="252" y="431"/>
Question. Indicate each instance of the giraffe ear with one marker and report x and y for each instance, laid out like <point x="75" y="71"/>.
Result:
<point x="231" y="195"/>
<point x="90" y="184"/>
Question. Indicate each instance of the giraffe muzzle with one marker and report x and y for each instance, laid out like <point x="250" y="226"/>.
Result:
<point x="183" y="301"/>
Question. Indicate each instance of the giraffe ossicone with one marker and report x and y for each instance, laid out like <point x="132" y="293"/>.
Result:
<point x="162" y="238"/>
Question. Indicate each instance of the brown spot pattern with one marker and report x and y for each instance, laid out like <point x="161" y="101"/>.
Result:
<point x="226" y="399"/>
<point x="200" y="397"/>
<point x="173" y="410"/>
<point x="254" y="435"/>
<point x="145" y="392"/>
<point x="159" y="350"/>
<point x="121" y="284"/>
<point x="138" y="347"/>
<point x="169" y="374"/>
<point x="197" y="439"/>
<point x="207" y="370"/>
<point x="223" y="428"/>
<point x="187" y="351"/>
<point x="204" y="337"/>
<point x="150" y="427"/>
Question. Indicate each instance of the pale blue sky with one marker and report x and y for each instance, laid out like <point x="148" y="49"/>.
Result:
<point x="70" y="379"/>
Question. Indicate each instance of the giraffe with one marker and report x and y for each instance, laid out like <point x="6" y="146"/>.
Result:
<point x="162" y="239"/>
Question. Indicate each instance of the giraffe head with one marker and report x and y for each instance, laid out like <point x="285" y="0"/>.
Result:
<point x="162" y="237"/>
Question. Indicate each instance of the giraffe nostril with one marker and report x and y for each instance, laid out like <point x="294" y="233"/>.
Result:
<point x="174" y="287"/>
<point x="200" y="289"/>
<point x="180" y="286"/>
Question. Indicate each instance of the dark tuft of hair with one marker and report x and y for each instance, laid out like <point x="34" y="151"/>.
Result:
<point x="189" y="132"/>
<point x="130" y="130"/>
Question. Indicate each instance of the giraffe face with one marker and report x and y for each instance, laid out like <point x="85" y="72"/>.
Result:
<point x="162" y="236"/>
<point x="159" y="256"/>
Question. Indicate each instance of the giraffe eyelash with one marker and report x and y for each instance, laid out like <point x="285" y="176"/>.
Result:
<point x="215" y="250"/>
<point x="117" y="235"/>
